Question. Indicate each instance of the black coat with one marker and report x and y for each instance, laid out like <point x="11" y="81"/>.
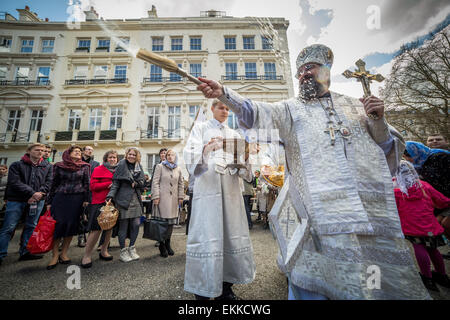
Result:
<point x="121" y="191"/>
<point x="25" y="179"/>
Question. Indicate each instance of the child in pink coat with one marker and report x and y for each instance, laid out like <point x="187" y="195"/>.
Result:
<point x="416" y="201"/>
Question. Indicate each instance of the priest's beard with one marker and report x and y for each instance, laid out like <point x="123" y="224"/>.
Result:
<point x="310" y="89"/>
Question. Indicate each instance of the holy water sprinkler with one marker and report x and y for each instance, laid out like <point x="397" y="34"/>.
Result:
<point x="165" y="63"/>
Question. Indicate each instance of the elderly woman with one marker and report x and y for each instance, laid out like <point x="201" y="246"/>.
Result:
<point x="101" y="182"/>
<point x="167" y="195"/>
<point x="126" y="190"/>
<point x="68" y="195"/>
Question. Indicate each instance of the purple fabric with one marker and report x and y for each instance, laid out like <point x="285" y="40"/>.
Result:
<point x="423" y="256"/>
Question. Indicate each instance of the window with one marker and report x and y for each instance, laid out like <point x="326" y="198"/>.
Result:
<point x="193" y="113"/>
<point x="100" y="72"/>
<point x="196" y="69"/>
<point x="250" y="70"/>
<point x="80" y="72"/>
<point x="103" y="45"/>
<point x="5" y="44"/>
<point x="267" y="43"/>
<point x="152" y="160"/>
<point x="74" y="120"/>
<point x="27" y="45"/>
<point x="22" y="74"/>
<point x="3" y="160"/>
<point x="230" y="43"/>
<point x="174" y="122"/>
<point x="95" y="119"/>
<point x="231" y="71"/>
<point x="196" y="43"/>
<point x="177" y="44"/>
<point x="153" y="122"/>
<point x="13" y="120"/>
<point x="120" y="72"/>
<point x="115" y="118"/>
<point x="155" y="73"/>
<point x="36" y="120"/>
<point x="232" y="121"/>
<point x="43" y="75"/>
<point x="84" y="45"/>
<point x="270" y="72"/>
<point x="47" y="45"/>
<point x="249" y="42"/>
<point x="157" y="44"/>
<point x="122" y="44"/>
<point x="3" y="73"/>
<point x="174" y="76"/>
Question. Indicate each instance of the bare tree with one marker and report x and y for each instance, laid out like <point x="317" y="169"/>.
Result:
<point x="417" y="91"/>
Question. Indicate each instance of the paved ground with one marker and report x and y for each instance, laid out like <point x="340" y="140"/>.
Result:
<point x="152" y="277"/>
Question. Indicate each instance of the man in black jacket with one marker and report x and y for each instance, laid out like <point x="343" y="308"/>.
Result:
<point x="29" y="180"/>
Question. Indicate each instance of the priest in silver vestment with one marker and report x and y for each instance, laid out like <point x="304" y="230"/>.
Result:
<point x="219" y="251"/>
<point x="335" y="218"/>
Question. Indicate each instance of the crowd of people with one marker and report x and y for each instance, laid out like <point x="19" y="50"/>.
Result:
<point x="75" y="189"/>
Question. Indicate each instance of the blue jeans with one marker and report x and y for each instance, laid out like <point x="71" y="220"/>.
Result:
<point x="13" y="213"/>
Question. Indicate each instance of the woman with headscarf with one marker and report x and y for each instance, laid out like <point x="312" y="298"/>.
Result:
<point x="416" y="201"/>
<point x="432" y="164"/>
<point x="68" y="195"/>
<point x="101" y="182"/>
<point x="126" y="190"/>
<point x="168" y="195"/>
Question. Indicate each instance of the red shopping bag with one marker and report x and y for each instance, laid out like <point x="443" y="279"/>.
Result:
<point x="41" y="240"/>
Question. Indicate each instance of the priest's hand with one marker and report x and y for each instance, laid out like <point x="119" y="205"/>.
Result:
<point x="373" y="105"/>
<point x="211" y="89"/>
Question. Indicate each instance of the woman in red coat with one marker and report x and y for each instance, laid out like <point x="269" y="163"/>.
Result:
<point x="101" y="181"/>
<point x="416" y="201"/>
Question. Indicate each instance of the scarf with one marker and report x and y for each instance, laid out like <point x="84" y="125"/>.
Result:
<point x="420" y="153"/>
<point x="406" y="177"/>
<point x="169" y="165"/>
<point x="26" y="158"/>
<point x="69" y="164"/>
<point x="110" y="167"/>
<point x="135" y="169"/>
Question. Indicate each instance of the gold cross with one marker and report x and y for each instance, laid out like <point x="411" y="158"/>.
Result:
<point x="331" y="131"/>
<point x="363" y="76"/>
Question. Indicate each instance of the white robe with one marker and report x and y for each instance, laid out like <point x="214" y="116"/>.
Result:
<point x="335" y="217"/>
<point x="218" y="248"/>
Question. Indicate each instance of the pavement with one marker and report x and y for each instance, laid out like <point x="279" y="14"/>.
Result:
<point x="151" y="277"/>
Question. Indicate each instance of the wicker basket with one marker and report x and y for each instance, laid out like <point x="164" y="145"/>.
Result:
<point x="108" y="216"/>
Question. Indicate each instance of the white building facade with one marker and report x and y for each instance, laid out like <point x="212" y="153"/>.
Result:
<point x="63" y="86"/>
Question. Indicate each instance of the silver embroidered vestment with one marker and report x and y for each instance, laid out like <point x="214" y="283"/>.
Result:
<point x="336" y="215"/>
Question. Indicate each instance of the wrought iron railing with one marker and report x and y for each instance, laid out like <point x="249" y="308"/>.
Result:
<point x="72" y="82"/>
<point x="86" y="135"/>
<point x="21" y="82"/>
<point x="63" y="136"/>
<point x="244" y="77"/>
<point x="108" y="134"/>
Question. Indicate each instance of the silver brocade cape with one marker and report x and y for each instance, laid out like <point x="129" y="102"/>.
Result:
<point x="218" y="245"/>
<point x="336" y="214"/>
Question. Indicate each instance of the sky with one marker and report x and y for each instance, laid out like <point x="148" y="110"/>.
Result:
<point x="353" y="29"/>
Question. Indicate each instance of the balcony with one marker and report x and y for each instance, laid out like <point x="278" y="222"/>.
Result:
<point x="81" y="49"/>
<point x="160" y="134"/>
<point x="86" y="135"/>
<point x="252" y="78"/>
<point x="84" y="82"/>
<point x="102" y="49"/>
<point x="160" y="79"/>
<point x="20" y="137"/>
<point x="25" y="83"/>
<point x="100" y="136"/>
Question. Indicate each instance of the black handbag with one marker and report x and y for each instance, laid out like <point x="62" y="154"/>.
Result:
<point x="84" y="221"/>
<point x="156" y="228"/>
